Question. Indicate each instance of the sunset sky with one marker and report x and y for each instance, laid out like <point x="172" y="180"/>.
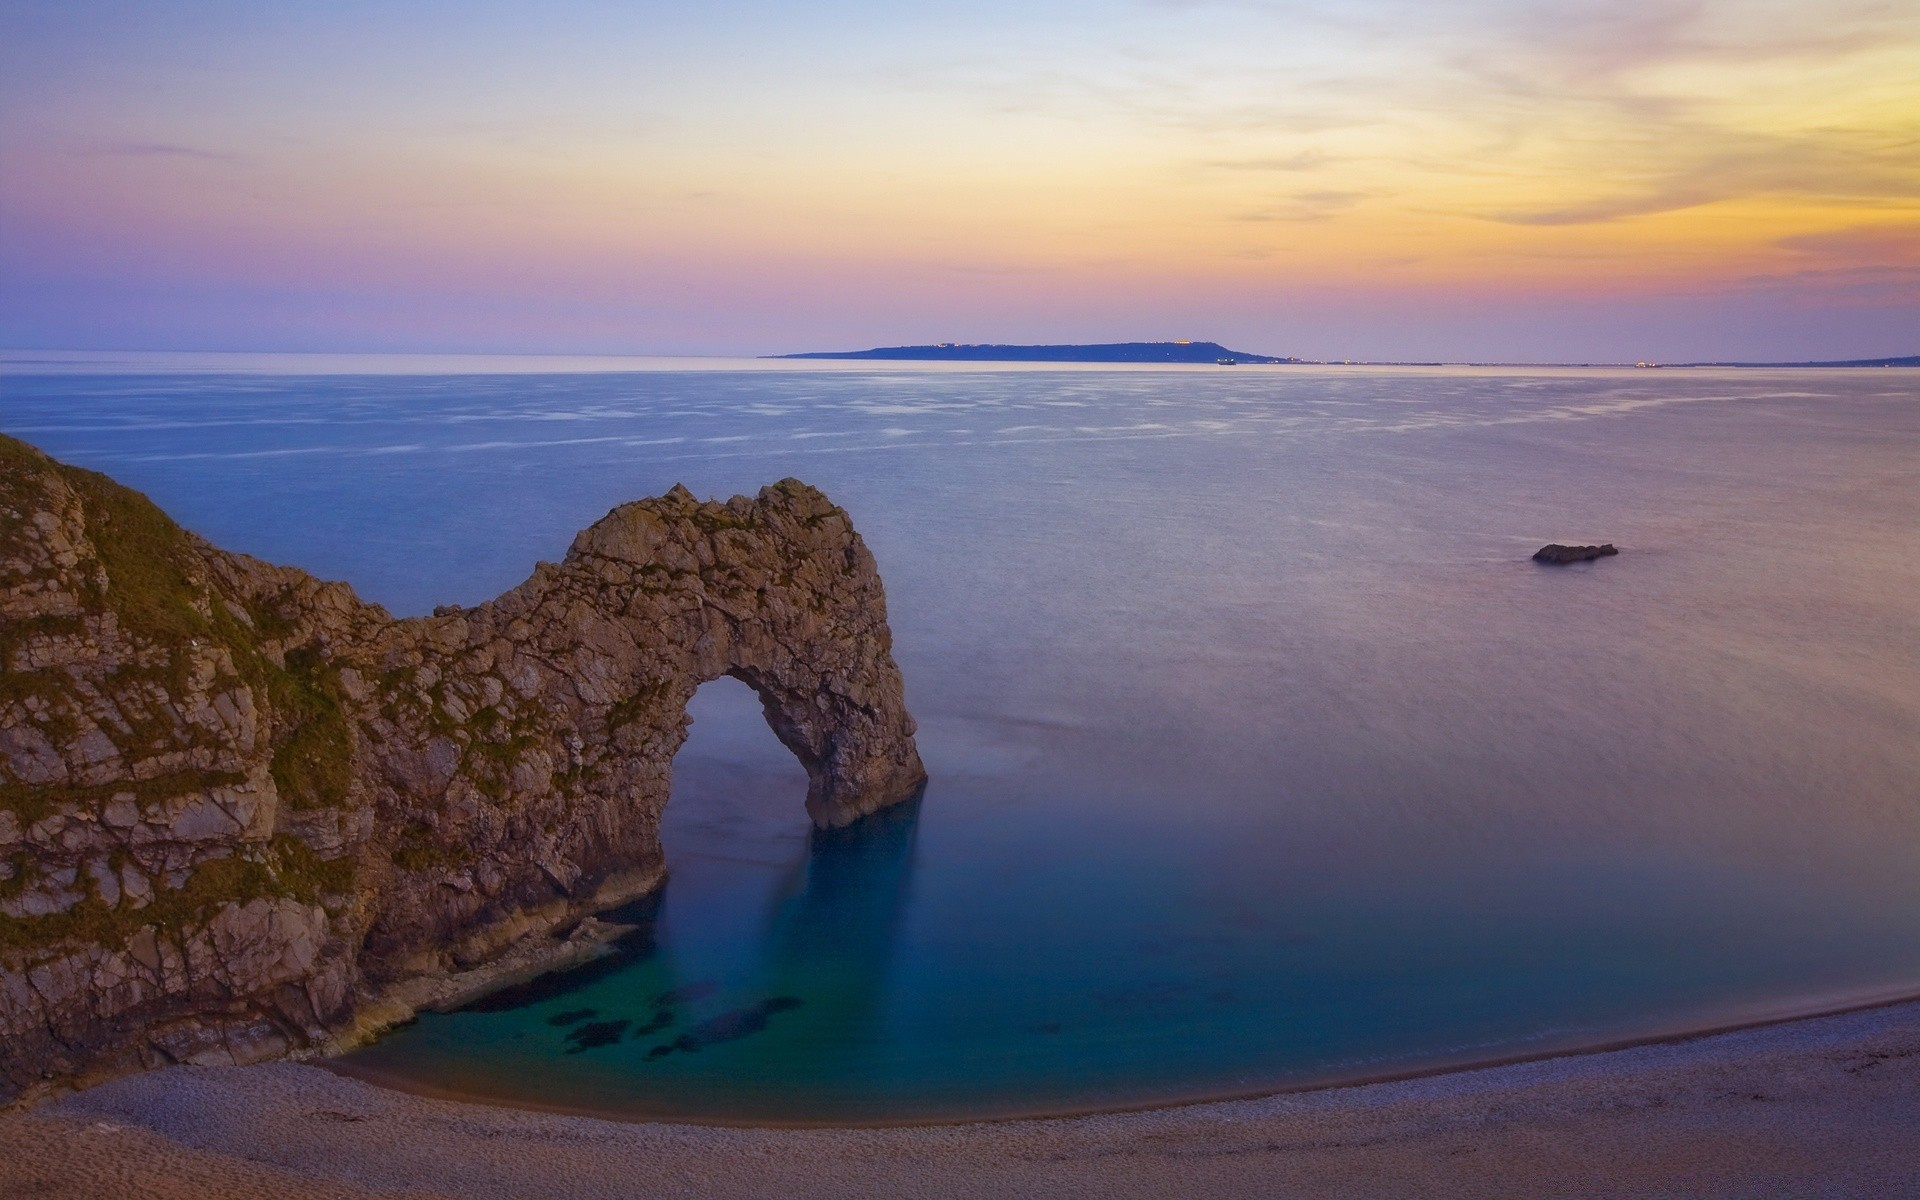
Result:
<point x="1490" y="179"/>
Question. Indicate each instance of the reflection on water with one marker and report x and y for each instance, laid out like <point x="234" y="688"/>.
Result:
<point x="1260" y="753"/>
<point x="802" y="1000"/>
<point x="830" y="937"/>
<point x="827" y="940"/>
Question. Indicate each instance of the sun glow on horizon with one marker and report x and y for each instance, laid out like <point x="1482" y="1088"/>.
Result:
<point x="1491" y="179"/>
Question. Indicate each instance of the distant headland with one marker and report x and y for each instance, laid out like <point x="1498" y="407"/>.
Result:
<point x="1909" y="360"/>
<point x="1102" y="352"/>
<point x="1214" y="352"/>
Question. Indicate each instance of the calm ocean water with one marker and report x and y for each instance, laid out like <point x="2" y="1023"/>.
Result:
<point x="1261" y="754"/>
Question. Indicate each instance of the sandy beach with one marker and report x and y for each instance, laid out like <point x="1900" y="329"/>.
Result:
<point x="1826" y="1106"/>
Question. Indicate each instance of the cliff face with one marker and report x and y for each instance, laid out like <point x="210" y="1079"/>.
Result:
<point x="241" y="811"/>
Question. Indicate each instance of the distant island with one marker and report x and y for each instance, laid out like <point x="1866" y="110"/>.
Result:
<point x="1214" y="352"/>
<point x="1102" y="352"/>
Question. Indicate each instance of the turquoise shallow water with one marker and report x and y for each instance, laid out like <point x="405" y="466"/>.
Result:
<point x="1261" y="755"/>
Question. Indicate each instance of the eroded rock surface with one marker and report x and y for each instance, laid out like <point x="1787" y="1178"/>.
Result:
<point x="1556" y="555"/>
<point x="241" y="810"/>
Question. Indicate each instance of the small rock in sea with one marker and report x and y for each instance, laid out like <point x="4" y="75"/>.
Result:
<point x="1560" y="556"/>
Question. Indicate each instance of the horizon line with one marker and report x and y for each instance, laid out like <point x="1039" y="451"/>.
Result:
<point x="9" y="354"/>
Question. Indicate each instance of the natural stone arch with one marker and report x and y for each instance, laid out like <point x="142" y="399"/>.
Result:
<point x="834" y="738"/>
<point x="272" y="816"/>
<point x="592" y="661"/>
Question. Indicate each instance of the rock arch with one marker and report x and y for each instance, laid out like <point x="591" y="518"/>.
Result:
<point x="272" y="816"/>
<point x="589" y="666"/>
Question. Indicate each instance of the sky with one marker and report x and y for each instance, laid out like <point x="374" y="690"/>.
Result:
<point x="1513" y="180"/>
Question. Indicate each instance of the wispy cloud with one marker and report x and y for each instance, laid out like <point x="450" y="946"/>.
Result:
<point x="1306" y="206"/>
<point x="1877" y="243"/>
<point x="1305" y="160"/>
<point x="137" y="149"/>
<point x="1875" y="284"/>
<point x="1699" y="164"/>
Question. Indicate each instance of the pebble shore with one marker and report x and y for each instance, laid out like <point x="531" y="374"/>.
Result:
<point x="1824" y="1106"/>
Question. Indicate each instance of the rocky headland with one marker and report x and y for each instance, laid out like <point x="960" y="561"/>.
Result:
<point x="245" y="814"/>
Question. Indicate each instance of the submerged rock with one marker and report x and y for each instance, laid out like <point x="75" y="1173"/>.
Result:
<point x="729" y="1026"/>
<point x="245" y="813"/>
<point x="595" y="1034"/>
<point x="1558" y="555"/>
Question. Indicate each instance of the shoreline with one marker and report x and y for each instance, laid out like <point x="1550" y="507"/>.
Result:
<point x="334" y="1062"/>
<point x="1823" y="1105"/>
<point x="533" y="945"/>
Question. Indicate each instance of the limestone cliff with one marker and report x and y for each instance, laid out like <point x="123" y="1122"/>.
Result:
<point x="241" y="809"/>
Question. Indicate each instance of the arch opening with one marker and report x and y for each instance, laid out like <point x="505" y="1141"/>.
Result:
<point x="733" y="780"/>
<point x="734" y="831"/>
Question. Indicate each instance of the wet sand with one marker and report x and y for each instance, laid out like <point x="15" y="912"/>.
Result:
<point x="1827" y="1106"/>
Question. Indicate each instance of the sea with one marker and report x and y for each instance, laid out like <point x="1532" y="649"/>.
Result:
<point x="1262" y="756"/>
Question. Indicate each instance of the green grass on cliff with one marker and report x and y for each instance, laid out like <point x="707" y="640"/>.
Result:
<point x="153" y="586"/>
<point x="20" y="492"/>
<point x="419" y="848"/>
<point x="313" y="762"/>
<point x="147" y="558"/>
<point x="31" y="802"/>
<point x="285" y="867"/>
<point x="645" y="702"/>
<point x="150" y="566"/>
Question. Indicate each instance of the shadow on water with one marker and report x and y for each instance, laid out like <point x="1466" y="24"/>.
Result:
<point x="828" y="937"/>
<point x="836" y="931"/>
<point x="826" y="944"/>
<point x="638" y="945"/>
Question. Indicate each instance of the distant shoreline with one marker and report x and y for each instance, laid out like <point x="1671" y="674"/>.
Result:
<point x="18" y="363"/>
<point x="1070" y="352"/>
<point x="1201" y="353"/>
